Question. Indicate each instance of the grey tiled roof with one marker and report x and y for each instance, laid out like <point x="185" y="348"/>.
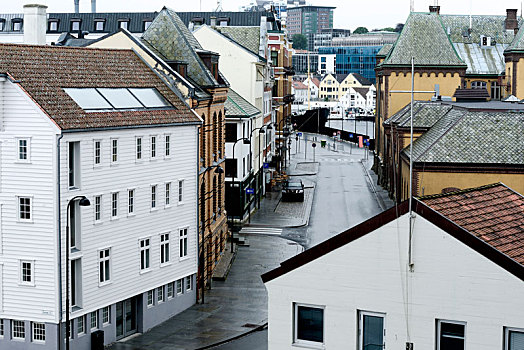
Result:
<point x="463" y="136"/>
<point x="235" y="18"/>
<point x="487" y="25"/>
<point x="237" y="107"/>
<point x="487" y="60"/>
<point x="426" y="116"/>
<point x="171" y="38"/>
<point x="424" y="38"/>
<point x="518" y="42"/>
<point x="385" y="50"/>
<point x="362" y="80"/>
<point x="249" y="37"/>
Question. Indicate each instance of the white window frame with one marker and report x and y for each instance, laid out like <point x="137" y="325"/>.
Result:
<point x="80" y="330"/>
<point x="168" y="190"/>
<point x="95" y="157"/>
<point x="18" y="208"/>
<point x="181" y="191"/>
<point x="153" y="146"/>
<point x="93" y="315"/>
<point x="97" y="208"/>
<point x="165" y="248"/>
<point x="28" y="149"/>
<point x="167" y="145"/>
<point x="307" y="343"/>
<point x="139" y="148"/>
<point x="183" y="243"/>
<point x="361" y="314"/>
<point x="14" y="328"/>
<point x="507" y="330"/>
<point x="131" y="201"/>
<point x="106" y="311"/>
<point x="150" y="298"/>
<point x="440" y="321"/>
<point x="171" y="290"/>
<point x="189" y="283"/>
<point x="144" y="246"/>
<point x="114" y="209"/>
<point x="154" y="197"/>
<point x="37" y="332"/>
<point x="2" y="328"/>
<point x="160" y="295"/>
<point x="21" y="272"/>
<point x="180" y="286"/>
<point x="114" y="151"/>
<point x="102" y="270"/>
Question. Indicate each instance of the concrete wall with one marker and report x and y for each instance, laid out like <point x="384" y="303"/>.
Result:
<point x="450" y="281"/>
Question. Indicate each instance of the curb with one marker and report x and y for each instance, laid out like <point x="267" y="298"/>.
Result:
<point x="373" y="188"/>
<point x="257" y="329"/>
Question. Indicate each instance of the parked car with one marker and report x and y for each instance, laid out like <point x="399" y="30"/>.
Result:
<point x="293" y="191"/>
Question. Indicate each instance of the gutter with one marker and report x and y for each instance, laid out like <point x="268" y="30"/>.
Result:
<point x="59" y="232"/>
<point x="130" y="127"/>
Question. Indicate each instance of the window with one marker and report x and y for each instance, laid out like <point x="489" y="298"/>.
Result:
<point x="104" y="265"/>
<point x="451" y="335"/>
<point x="114" y="151"/>
<point x="150" y="296"/>
<point x="183" y="242"/>
<point x="478" y="85"/>
<point x="308" y="324"/>
<point x="2" y="24"/>
<point x="94" y="320"/>
<point x="153" y="146"/>
<point x="53" y="25"/>
<point x="106" y="315"/>
<point x="131" y="201"/>
<point x="180" y="191"/>
<point x="114" y="205"/>
<point x="76" y="282"/>
<point x="153" y="197"/>
<point x="144" y="254"/>
<point x="99" y="25"/>
<point x="18" y="329"/>
<point x="124" y="24"/>
<point x="98" y="208"/>
<point x="17" y="24"/>
<point x="1" y="327"/>
<point x="81" y="325"/>
<point x="74" y="164"/>
<point x="24" y="209"/>
<point x="138" y="148"/>
<point x="513" y="338"/>
<point x="164" y="248"/>
<point x="495" y="91"/>
<point x="146" y="25"/>
<point x="26" y="272"/>
<point x="160" y="294"/>
<point x="189" y="285"/>
<point x="97" y="152"/>
<point x="23" y="150"/>
<point x="168" y="145"/>
<point x="75" y="25"/>
<point x="170" y="290"/>
<point x="231" y="132"/>
<point x="168" y="193"/>
<point x="179" y="286"/>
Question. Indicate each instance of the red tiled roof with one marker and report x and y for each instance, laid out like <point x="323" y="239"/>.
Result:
<point x="299" y="85"/>
<point x="493" y="213"/>
<point x="42" y="71"/>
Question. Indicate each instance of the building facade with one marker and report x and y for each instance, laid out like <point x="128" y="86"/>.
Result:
<point x="309" y="19"/>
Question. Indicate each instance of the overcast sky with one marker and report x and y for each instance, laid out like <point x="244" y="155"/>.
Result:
<point x="348" y="14"/>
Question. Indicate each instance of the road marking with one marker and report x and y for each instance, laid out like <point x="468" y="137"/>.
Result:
<point x="274" y="231"/>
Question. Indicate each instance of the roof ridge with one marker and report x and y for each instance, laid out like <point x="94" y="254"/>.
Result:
<point x="466" y="190"/>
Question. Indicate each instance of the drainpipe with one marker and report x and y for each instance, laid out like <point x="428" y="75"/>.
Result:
<point x="59" y="244"/>
<point x="199" y="129"/>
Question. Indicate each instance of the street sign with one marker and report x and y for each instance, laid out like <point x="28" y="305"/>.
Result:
<point x="250" y="191"/>
<point x="266" y="165"/>
<point x="299" y="134"/>
<point x="351" y="135"/>
<point x="314" y="145"/>
<point x="338" y="132"/>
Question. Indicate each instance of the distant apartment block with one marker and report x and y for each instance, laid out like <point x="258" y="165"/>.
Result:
<point x="309" y="19"/>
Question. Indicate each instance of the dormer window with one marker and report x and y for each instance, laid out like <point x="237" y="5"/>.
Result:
<point x="197" y="21"/>
<point x="17" y="24"/>
<point x="100" y="25"/>
<point x="75" y="25"/>
<point x="2" y="24"/>
<point x="223" y="21"/>
<point x="146" y="24"/>
<point x="52" y="25"/>
<point x="123" y="24"/>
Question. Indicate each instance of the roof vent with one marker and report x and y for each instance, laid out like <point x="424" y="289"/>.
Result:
<point x="434" y="9"/>
<point x="485" y="41"/>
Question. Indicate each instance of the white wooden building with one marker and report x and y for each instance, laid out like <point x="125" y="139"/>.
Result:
<point x="461" y="289"/>
<point x="78" y="122"/>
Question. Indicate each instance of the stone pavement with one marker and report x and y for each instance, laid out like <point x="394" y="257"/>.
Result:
<point x="232" y="307"/>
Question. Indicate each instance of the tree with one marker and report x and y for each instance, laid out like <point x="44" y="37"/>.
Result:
<point x="299" y="41"/>
<point x="361" y="30"/>
<point x="399" y="27"/>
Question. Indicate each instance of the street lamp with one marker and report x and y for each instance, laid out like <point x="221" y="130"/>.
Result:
<point x="83" y="202"/>
<point x="268" y="127"/>
<point x="202" y="204"/>
<point x="260" y="131"/>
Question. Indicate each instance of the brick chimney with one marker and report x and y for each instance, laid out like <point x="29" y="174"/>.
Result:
<point x="511" y="22"/>
<point x="434" y="9"/>
<point x="35" y="24"/>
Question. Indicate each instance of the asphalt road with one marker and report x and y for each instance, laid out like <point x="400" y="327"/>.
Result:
<point x="253" y="341"/>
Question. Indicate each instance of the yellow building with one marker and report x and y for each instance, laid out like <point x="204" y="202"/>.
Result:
<point x="334" y="86"/>
<point x="514" y="70"/>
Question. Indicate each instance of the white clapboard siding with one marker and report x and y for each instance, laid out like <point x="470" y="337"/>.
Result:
<point x="450" y="282"/>
<point x="36" y="240"/>
<point x="123" y="234"/>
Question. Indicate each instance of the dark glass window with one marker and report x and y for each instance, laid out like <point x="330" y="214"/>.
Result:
<point x="451" y="336"/>
<point x="231" y="132"/>
<point x="231" y="167"/>
<point x="309" y="324"/>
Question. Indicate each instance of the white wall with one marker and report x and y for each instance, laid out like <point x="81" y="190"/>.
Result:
<point x="450" y="281"/>
<point x="327" y="67"/>
<point x="122" y="234"/>
<point x="241" y="150"/>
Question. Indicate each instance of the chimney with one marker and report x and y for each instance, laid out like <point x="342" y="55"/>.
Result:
<point x="77" y="6"/>
<point x="35" y="24"/>
<point x="93" y="6"/>
<point x="434" y="9"/>
<point x="511" y="22"/>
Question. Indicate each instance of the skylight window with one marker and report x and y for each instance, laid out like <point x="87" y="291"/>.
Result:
<point x="109" y="99"/>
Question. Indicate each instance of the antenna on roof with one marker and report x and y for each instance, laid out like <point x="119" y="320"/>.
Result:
<point x="411" y="263"/>
<point x="219" y="6"/>
<point x="470" y="15"/>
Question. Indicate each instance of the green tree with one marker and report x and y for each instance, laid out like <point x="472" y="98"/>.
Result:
<point x="361" y="30"/>
<point x="299" y="41"/>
